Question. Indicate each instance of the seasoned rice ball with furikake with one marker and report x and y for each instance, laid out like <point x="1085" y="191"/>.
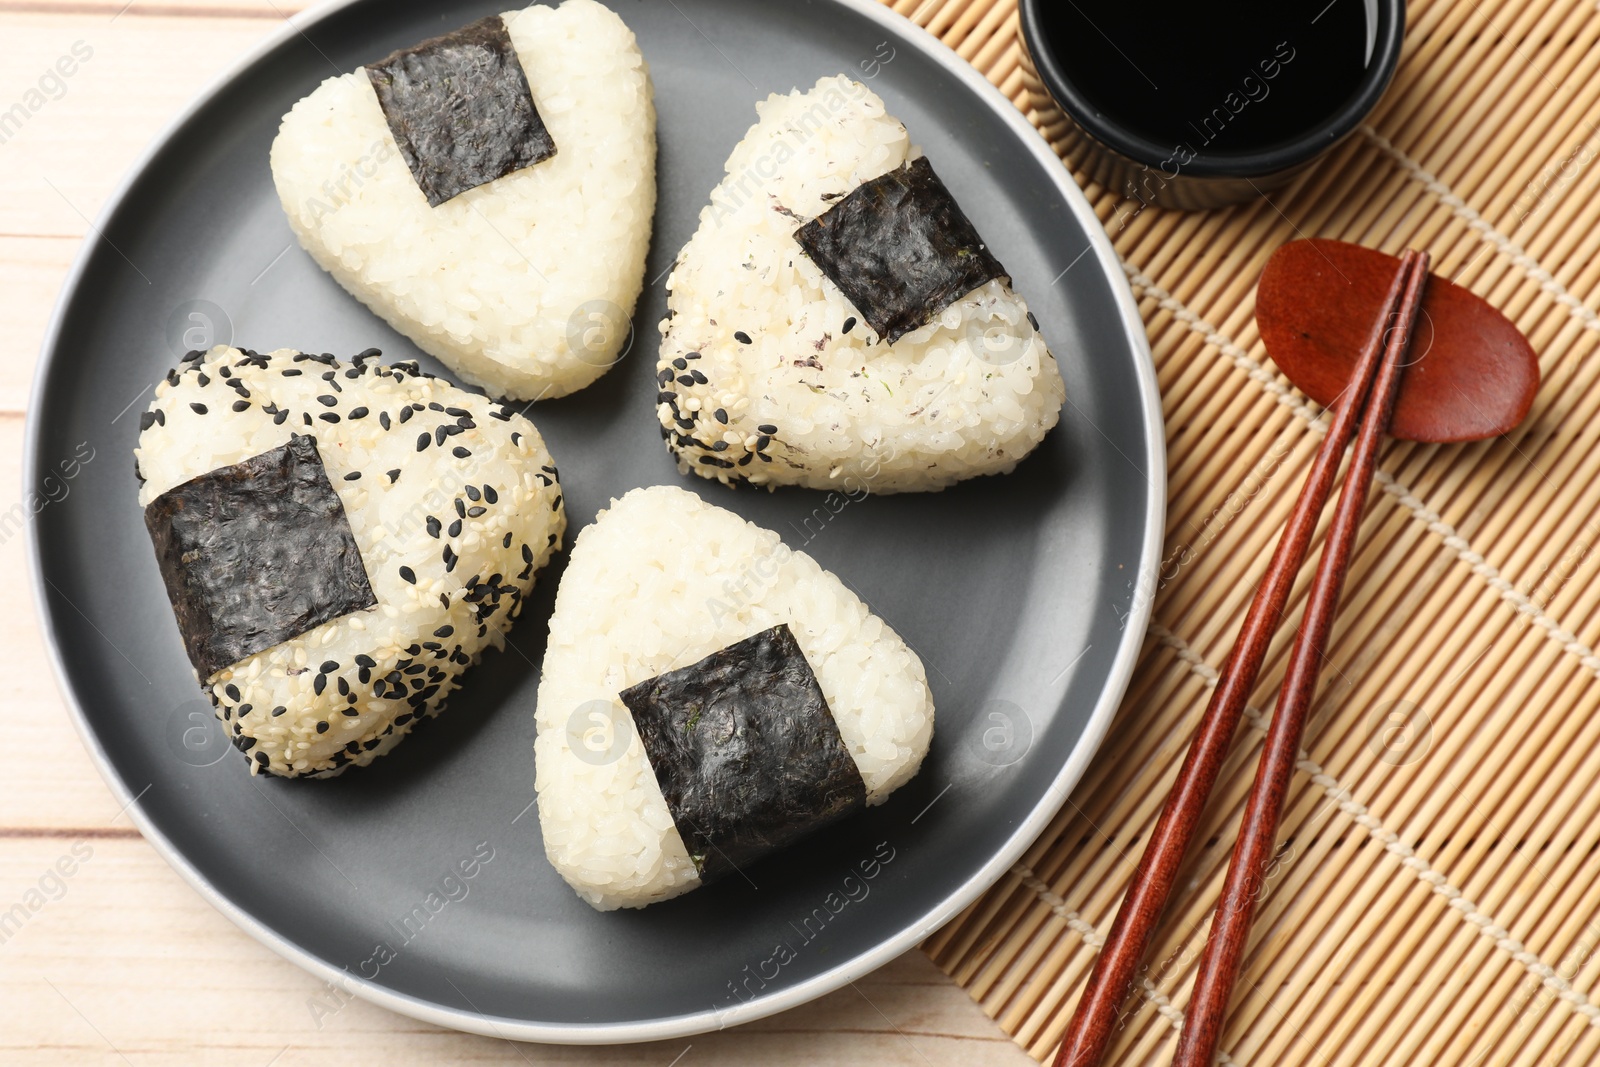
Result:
<point x="340" y="542"/>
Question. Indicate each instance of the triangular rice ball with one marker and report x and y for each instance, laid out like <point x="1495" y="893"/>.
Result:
<point x="660" y="581"/>
<point x="524" y="285"/>
<point x="770" y="373"/>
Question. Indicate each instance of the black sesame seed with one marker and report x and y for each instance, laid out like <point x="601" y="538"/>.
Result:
<point x="232" y="691"/>
<point x="720" y="446"/>
<point x="394" y="475"/>
<point x="721" y="416"/>
<point x="364" y="660"/>
<point x="327" y="401"/>
<point x="455" y="528"/>
<point x="439" y="434"/>
<point x="507" y="542"/>
<point x="849" y="324"/>
<point x="147" y="420"/>
<point x="762" y="442"/>
<point x="280" y="418"/>
<point x="1033" y="321"/>
<point x="684" y="379"/>
<point x="161" y="417"/>
<point x="766" y="427"/>
<point x="473" y="513"/>
<point x="527" y="554"/>
<point x="353" y="476"/>
<point x="461" y="452"/>
<point x="700" y="379"/>
<point x="409" y="575"/>
<point x="490" y="496"/>
<point x="344" y="688"/>
<point x="444" y="631"/>
<point x="241" y="405"/>
<point x="422" y="441"/>
<point x="352" y="712"/>
<point x="691" y="355"/>
<point x="291" y="372"/>
<point x="742" y="337"/>
<point x="322" y="727"/>
<point x="433" y="526"/>
<point x="383" y="419"/>
<point x="198" y="408"/>
<point x="328" y="416"/>
<point x="329" y="666"/>
<point x="461" y="508"/>
<point x="664" y="376"/>
<point x="202" y="378"/>
<point x="358" y="413"/>
<point x="473" y="493"/>
<point x="434" y="405"/>
<point x="681" y="364"/>
<point x="405" y="414"/>
<point x="319" y="683"/>
<point x="279" y="710"/>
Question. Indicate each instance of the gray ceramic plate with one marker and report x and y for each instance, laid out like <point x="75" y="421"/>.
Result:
<point x="1018" y="592"/>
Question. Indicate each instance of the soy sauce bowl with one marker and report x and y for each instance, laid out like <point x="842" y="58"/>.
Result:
<point x="1180" y="175"/>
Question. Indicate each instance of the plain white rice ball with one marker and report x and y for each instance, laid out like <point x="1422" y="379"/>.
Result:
<point x="526" y="285"/>
<point x="660" y="581"/>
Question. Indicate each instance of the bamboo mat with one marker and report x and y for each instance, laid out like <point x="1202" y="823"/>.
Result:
<point x="1435" y="897"/>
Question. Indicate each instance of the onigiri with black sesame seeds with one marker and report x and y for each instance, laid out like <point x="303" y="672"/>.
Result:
<point x="444" y="541"/>
<point x="772" y="368"/>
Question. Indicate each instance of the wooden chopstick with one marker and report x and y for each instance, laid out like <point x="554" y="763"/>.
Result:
<point x="1094" y="1021"/>
<point x="1257" y="841"/>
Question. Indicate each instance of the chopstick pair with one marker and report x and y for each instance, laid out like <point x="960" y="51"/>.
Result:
<point x="1366" y="409"/>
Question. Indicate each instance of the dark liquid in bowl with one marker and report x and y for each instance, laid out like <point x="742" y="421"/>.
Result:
<point x="1230" y="76"/>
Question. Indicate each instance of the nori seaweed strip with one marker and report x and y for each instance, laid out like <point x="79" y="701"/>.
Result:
<point x="746" y="751"/>
<point x="255" y="554"/>
<point x="900" y="249"/>
<point x="460" y="109"/>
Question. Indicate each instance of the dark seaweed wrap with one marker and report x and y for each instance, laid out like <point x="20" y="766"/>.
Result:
<point x="460" y="109"/>
<point x="255" y="554"/>
<point x="900" y="249"/>
<point x="745" y="751"/>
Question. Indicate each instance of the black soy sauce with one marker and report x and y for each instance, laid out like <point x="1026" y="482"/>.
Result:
<point x="1227" y="76"/>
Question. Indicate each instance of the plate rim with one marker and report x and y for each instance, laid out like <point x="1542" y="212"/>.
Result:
<point x="690" y="1024"/>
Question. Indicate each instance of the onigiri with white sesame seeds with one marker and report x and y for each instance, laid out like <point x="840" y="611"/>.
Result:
<point x="340" y="541"/>
<point x="837" y="312"/>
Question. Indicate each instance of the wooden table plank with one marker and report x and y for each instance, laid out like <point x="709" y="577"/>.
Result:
<point x="119" y="961"/>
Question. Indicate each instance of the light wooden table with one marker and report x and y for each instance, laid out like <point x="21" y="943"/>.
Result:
<point x="122" y="962"/>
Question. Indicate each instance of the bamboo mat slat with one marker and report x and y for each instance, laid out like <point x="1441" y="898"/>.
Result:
<point x="1436" y="895"/>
